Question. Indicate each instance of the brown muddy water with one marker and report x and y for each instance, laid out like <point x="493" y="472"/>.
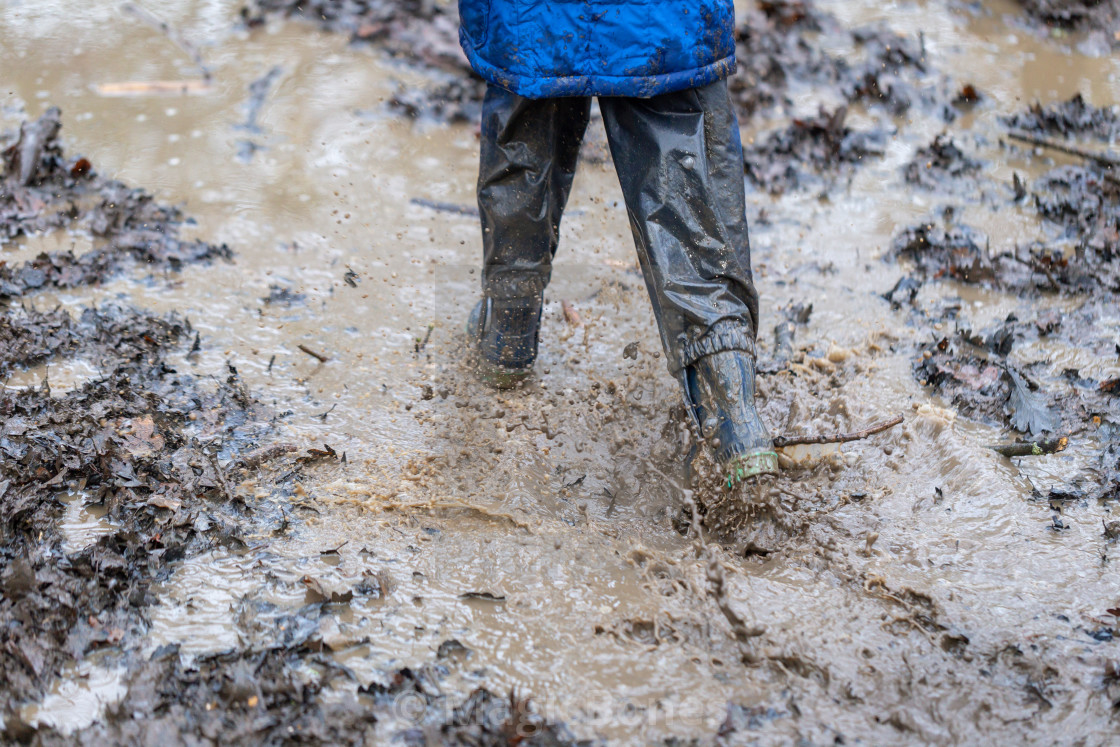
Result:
<point x="909" y="588"/>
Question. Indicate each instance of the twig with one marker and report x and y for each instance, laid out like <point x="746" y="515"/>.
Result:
<point x="174" y="36"/>
<point x="1038" y="267"/>
<point x="318" y="356"/>
<point x="1069" y="150"/>
<point x="837" y="438"/>
<point x="420" y="344"/>
<point x="1031" y="448"/>
<point x="221" y="477"/>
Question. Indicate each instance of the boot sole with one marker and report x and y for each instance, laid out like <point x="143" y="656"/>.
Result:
<point x="751" y="465"/>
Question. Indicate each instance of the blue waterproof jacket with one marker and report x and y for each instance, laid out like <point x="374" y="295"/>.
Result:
<point x="548" y="48"/>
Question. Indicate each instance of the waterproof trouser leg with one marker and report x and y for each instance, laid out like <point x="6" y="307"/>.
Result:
<point x="680" y="164"/>
<point x="528" y="160"/>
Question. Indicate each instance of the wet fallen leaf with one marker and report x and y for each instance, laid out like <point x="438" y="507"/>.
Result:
<point x="320" y="591"/>
<point x="1028" y="410"/>
<point x="143" y="440"/>
<point x="165" y="501"/>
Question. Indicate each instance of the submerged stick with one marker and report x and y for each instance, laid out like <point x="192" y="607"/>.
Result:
<point x="317" y="356"/>
<point x="837" y="438"/>
<point x="158" y="87"/>
<point x="1031" y="448"/>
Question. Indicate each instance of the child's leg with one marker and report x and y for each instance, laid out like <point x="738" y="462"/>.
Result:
<point x="528" y="159"/>
<point x="680" y="163"/>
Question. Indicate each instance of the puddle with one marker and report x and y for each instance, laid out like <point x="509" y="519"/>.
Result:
<point x="78" y="699"/>
<point x="82" y="522"/>
<point x="62" y="376"/>
<point x="200" y="605"/>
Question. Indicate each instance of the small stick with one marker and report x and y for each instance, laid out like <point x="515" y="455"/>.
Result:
<point x="1038" y="267"/>
<point x="318" y="356"/>
<point x="837" y="438"/>
<point x="1069" y="150"/>
<point x="1031" y="448"/>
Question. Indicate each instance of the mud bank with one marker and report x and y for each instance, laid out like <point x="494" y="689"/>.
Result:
<point x="298" y="517"/>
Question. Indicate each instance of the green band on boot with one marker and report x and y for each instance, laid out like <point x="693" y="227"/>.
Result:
<point x="751" y="465"/>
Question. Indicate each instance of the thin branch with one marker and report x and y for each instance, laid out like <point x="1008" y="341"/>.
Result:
<point x="1031" y="448"/>
<point x="1069" y="150"/>
<point x="318" y="356"/>
<point x="837" y="438"/>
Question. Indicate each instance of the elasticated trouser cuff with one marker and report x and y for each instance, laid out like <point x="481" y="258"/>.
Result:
<point x="722" y="337"/>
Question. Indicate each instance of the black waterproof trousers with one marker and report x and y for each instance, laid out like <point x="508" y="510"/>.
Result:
<point x="680" y="162"/>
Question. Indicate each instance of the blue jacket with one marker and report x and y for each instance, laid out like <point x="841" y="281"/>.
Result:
<point x="548" y="48"/>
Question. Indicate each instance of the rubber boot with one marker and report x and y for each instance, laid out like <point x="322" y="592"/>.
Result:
<point x="504" y="334"/>
<point x="721" y="389"/>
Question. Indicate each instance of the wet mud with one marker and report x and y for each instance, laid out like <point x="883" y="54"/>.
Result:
<point x="251" y="491"/>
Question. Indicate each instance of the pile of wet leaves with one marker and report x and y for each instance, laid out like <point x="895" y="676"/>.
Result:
<point x="141" y="439"/>
<point x="822" y="143"/>
<point x="1101" y="17"/>
<point x="149" y="444"/>
<point x="275" y="696"/>
<point x="41" y="189"/>
<point x="989" y="375"/>
<point x="1073" y="118"/>
<point x="779" y="54"/>
<point x="780" y="57"/>
<point x="1078" y="250"/>
<point x="977" y="374"/>
<point x="939" y="164"/>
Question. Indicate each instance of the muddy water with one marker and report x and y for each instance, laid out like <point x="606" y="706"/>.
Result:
<point x="908" y="588"/>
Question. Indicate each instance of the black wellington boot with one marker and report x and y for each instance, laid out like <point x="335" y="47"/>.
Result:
<point x="720" y="388"/>
<point x="504" y="334"/>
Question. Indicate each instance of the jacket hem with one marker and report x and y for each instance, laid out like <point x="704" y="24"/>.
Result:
<point x="636" y="86"/>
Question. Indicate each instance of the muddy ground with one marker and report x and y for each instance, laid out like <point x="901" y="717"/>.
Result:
<point x="249" y="491"/>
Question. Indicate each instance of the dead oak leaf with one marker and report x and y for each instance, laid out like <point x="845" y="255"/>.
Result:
<point x="143" y="440"/>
